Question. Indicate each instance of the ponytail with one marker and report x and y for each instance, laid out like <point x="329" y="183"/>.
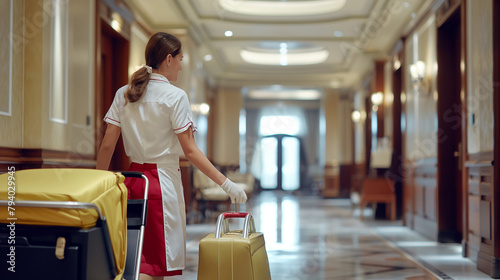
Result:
<point x="138" y="84"/>
<point x="159" y="46"/>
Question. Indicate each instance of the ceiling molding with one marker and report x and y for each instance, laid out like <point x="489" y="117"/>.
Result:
<point x="371" y="29"/>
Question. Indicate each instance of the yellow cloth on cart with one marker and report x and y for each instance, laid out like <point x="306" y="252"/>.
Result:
<point x="102" y="188"/>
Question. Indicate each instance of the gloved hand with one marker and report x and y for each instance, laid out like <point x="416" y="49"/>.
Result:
<point x="234" y="191"/>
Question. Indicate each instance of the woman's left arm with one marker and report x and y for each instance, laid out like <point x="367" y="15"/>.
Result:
<point x="196" y="156"/>
<point x="193" y="154"/>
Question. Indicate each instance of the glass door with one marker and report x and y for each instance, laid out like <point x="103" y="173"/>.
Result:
<point x="280" y="166"/>
<point x="290" y="166"/>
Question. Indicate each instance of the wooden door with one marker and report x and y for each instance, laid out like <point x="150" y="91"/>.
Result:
<point x="449" y="134"/>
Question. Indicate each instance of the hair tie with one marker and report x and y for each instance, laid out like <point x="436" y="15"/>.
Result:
<point x="149" y="68"/>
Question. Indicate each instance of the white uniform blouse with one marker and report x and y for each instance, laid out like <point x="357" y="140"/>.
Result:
<point x="149" y="128"/>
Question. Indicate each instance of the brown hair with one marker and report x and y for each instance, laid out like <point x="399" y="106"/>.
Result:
<point x="160" y="45"/>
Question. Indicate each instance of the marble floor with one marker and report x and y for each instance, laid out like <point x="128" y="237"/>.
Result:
<point x="308" y="237"/>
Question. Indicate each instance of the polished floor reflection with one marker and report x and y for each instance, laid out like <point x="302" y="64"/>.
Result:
<point x="308" y="237"/>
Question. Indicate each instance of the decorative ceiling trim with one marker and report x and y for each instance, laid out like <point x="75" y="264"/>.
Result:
<point x="281" y="8"/>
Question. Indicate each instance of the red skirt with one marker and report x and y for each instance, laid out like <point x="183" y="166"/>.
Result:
<point x="153" y="259"/>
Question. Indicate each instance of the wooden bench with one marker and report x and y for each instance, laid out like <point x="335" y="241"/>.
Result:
<point x="378" y="190"/>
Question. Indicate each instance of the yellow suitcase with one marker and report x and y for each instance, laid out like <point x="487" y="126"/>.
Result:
<point x="233" y="255"/>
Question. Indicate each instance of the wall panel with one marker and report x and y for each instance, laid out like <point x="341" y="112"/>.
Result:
<point x="420" y="196"/>
<point x="11" y="73"/>
<point x="227" y="111"/>
<point x="480" y="182"/>
<point x="480" y="76"/>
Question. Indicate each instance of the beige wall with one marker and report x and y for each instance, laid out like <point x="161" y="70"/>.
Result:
<point x="388" y="99"/>
<point x="80" y="134"/>
<point x="138" y="41"/>
<point x="184" y="77"/>
<point x="480" y="76"/>
<point x="420" y="101"/>
<point x="359" y="127"/>
<point x="191" y="79"/>
<point x="332" y="144"/>
<point x="344" y="134"/>
<point x="228" y="103"/>
<point x="11" y="73"/>
<point x="51" y="103"/>
<point x="33" y="75"/>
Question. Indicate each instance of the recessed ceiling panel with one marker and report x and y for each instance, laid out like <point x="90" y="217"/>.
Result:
<point x="231" y="53"/>
<point x="349" y="28"/>
<point x="160" y="12"/>
<point x="350" y="9"/>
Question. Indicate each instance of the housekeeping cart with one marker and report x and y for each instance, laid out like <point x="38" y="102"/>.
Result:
<point x="70" y="224"/>
<point x="233" y="255"/>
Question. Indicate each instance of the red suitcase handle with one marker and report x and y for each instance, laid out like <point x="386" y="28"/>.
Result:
<point x="235" y="214"/>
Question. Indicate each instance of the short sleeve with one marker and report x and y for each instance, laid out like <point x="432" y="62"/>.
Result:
<point x="113" y="115"/>
<point x="182" y="117"/>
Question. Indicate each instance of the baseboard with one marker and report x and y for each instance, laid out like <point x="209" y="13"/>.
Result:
<point x="426" y="227"/>
<point x="488" y="265"/>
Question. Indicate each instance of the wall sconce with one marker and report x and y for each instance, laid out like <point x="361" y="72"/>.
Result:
<point x="397" y="64"/>
<point x="356" y="116"/>
<point x="377" y="98"/>
<point x="202" y="108"/>
<point x="417" y="71"/>
<point x="116" y="22"/>
<point x="418" y="77"/>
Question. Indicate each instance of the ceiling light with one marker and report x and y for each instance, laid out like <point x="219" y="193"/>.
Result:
<point x="204" y="108"/>
<point x="208" y="57"/>
<point x="296" y="94"/>
<point x="302" y="58"/>
<point x="283" y="54"/>
<point x="282" y="8"/>
<point x="201" y="108"/>
<point x="283" y="49"/>
<point x="228" y="33"/>
<point x="338" y="33"/>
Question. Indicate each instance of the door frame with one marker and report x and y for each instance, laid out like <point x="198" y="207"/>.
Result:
<point x="496" y="132"/>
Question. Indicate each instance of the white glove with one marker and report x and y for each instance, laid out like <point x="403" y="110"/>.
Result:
<point x="234" y="191"/>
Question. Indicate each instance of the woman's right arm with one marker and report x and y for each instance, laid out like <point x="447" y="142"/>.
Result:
<point x="108" y="145"/>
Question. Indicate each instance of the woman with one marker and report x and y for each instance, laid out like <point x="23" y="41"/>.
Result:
<point x="156" y="122"/>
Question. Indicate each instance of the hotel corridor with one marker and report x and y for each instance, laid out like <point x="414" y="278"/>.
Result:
<point x="308" y="237"/>
<point x="283" y="95"/>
